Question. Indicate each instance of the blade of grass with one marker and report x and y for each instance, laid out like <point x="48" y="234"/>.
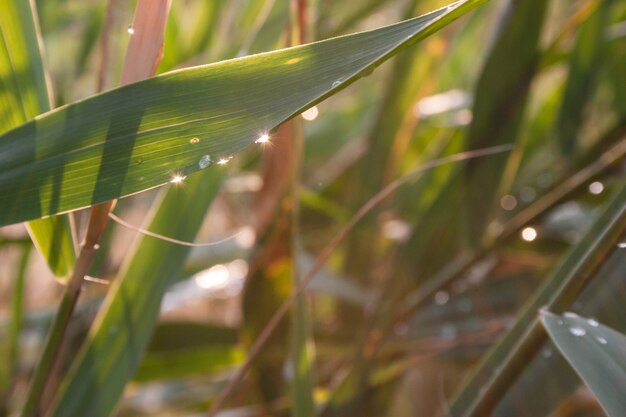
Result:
<point x="11" y="344"/>
<point x="584" y="68"/>
<point x="122" y="329"/>
<point x="24" y="94"/>
<point x="141" y="135"/>
<point x="501" y="94"/>
<point x="504" y="362"/>
<point x="597" y="354"/>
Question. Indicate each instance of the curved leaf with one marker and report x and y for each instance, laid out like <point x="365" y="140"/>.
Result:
<point x="139" y="136"/>
<point x="597" y="353"/>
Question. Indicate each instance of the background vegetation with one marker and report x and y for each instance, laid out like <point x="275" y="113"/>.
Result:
<point x="441" y="234"/>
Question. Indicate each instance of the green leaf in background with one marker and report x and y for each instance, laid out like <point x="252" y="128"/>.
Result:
<point x="122" y="330"/>
<point x="142" y="135"/>
<point x="24" y="95"/>
<point x="584" y="68"/>
<point x="597" y="353"/>
<point x="501" y="366"/>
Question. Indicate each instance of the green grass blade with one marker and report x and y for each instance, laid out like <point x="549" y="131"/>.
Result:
<point x="24" y="95"/>
<point x="10" y="343"/>
<point x="506" y="360"/>
<point x="597" y="353"/>
<point x="584" y="69"/>
<point x="139" y="136"/>
<point x="116" y="343"/>
<point x="500" y="102"/>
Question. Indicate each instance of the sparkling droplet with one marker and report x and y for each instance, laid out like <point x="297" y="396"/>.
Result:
<point x="205" y="161"/>
<point x="596" y="187"/>
<point x="529" y="234"/>
<point x="621" y="245"/>
<point x="193" y="141"/>
<point x="601" y="340"/>
<point x="130" y="30"/>
<point x="311" y="114"/>
<point x="593" y="323"/>
<point x="224" y="161"/>
<point x="177" y="179"/>
<point x="441" y="297"/>
<point x="264" y="138"/>
<point x="577" y="331"/>
<point x="570" y="315"/>
<point x="336" y="83"/>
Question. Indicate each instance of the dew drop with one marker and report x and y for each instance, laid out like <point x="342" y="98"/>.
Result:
<point x="596" y="187"/>
<point x="508" y="202"/>
<point x="177" y="179"/>
<point x="560" y="322"/>
<point x="577" y="331"/>
<point x="224" y="161"/>
<point x="139" y="161"/>
<point x="529" y="234"/>
<point x="601" y="340"/>
<point x="621" y="245"/>
<point x="336" y="83"/>
<point x="441" y="297"/>
<point x="205" y="161"/>
<point x="130" y="30"/>
<point x="570" y="315"/>
<point x="593" y="323"/>
<point x="193" y="141"/>
<point x="264" y="138"/>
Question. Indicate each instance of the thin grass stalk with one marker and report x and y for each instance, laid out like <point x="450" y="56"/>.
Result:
<point x="50" y="356"/>
<point x="17" y="309"/>
<point x="302" y="353"/>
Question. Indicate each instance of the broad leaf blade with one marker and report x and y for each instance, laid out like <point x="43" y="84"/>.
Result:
<point x="24" y="95"/>
<point x="597" y="353"/>
<point x="136" y="137"/>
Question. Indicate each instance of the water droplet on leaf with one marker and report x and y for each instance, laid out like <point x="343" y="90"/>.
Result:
<point x="205" y="161"/>
<point x="577" y="331"/>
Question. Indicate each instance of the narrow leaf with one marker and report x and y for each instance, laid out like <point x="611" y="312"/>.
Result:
<point x="140" y="136"/>
<point x="122" y="330"/>
<point x="24" y="95"/>
<point x="597" y="353"/>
